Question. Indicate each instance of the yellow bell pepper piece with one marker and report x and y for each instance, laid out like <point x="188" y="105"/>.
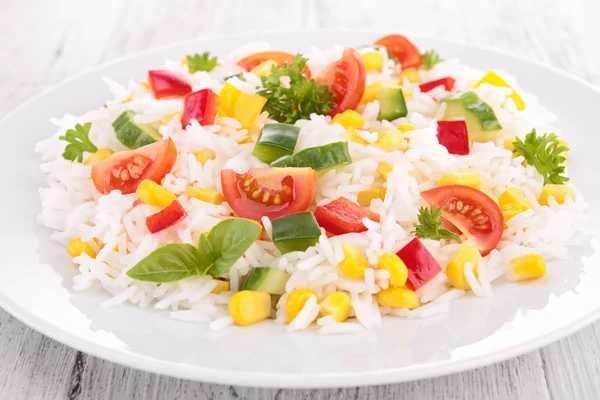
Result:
<point x="494" y="79"/>
<point x="248" y="307"/>
<point x="247" y="108"/>
<point x="206" y="195"/>
<point x="559" y="192"/>
<point x="384" y="168"/>
<point x="398" y="298"/>
<point x="337" y="304"/>
<point x="202" y="156"/>
<point x="349" y="119"/>
<point x="531" y="266"/>
<point x="372" y="90"/>
<point x="264" y="68"/>
<point x="373" y="60"/>
<point x="365" y="197"/>
<point x="154" y="194"/>
<point x="455" y="271"/>
<point x="228" y="98"/>
<point x="77" y="247"/>
<point x="354" y="263"/>
<point x="462" y="177"/>
<point x="222" y="286"/>
<point x="296" y="301"/>
<point x="396" y="267"/>
<point x="411" y="74"/>
<point x="100" y="155"/>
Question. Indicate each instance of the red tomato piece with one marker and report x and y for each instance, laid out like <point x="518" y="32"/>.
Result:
<point x="271" y="192"/>
<point x="124" y="171"/>
<point x="280" y="57"/>
<point x="402" y="49"/>
<point x="343" y="216"/>
<point x="470" y="210"/>
<point x="422" y="266"/>
<point x="447" y="83"/>
<point x="201" y="106"/>
<point x="346" y="79"/>
<point x="167" y="84"/>
<point x="166" y="217"/>
<point x="453" y="135"/>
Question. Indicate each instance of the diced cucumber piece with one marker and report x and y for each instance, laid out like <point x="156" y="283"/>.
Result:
<point x="264" y="279"/>
<point x="391" y="104"/>
<point x="317" y="158"/>
<point x="295" y="232"/>
<point x="482" y="124"/>
<point x="134" y="135"/>
<point x="276" y="141"/>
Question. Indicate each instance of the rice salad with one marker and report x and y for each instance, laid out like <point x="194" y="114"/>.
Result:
<point x="327" y="189"/>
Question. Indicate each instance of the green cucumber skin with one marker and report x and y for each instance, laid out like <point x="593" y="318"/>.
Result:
<point x="317" y="158"/>
<point x="133" y="135"/>
<point x="481" y="120"/>
<point x="295" y="232"/>
<point x="392" y="104"/>
<point x="289" y="245"/>
<point x="276" y="141"/>
<point x="265" y="279"/>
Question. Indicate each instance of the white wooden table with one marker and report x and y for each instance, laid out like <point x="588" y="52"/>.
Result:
<point x="43" y="42"/>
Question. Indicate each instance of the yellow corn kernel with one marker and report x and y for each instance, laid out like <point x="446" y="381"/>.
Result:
<point x="510" y="211"/>
<point x="392" y="139"/>
<point x="462" y="177"/>
<point x="455" y="271"/>
<point x="354" y="263"/>
<point x="100" y="155"/>
<point x="206" y="195"/>
<point x="245" y="139"/>
<point x="373" y="60"/>
<point x="494" y="79"/>
<point x="77" y="247"/>
<point x="371" y="91"/>
<point x="396" y="267"/>
<point x="222" y="286"/>
<point x="531" y="266"/>
<point x="228" y="97"/>
<point x="296" y="301"/>
<point x="337" y="304"/>
<point x="202" y="156"/>
<point x="248" y="307"/>
<point x="398" y="298"/>
<point x="247" y="108"/>
<point x="411" y="74"/>
<point x="349" y="119"/>
<point x="365" y="197"/>
<point x="264" y="68"/>
<point x="384" y="168"/>
<point x="559" y="192"/>
<point x="152" y="193"/>
<point x="405" y="127"/>
<point x="355" y="137"/>
<point x="513" y="195"/>
<point x="509" y="143"/>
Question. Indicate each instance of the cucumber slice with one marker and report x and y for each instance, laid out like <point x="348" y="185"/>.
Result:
<point x="295" y="232"/>
<point x="482" y="124"/>
<point x="264" y="279"/>
<point x="317" y="158"/>
<point x="391" y="104"/>
<point x="134" y="135"/>
<point x="276" y="141"/>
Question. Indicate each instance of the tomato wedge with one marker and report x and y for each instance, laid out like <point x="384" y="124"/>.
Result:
<point x="167" y="84"/>
<point x="271" y="192"/>
<point x="402" y="49"/>
<point x="280" y="57"/>
<point x="126" y="170"/>
<point x="470" y="210"/>
<point x="343" y="216"/>
<point x="346" y="79"/>
<point x="166" y="217"/>
<point x="201" y="106"/>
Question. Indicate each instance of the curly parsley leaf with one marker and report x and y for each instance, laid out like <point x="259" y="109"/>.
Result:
<point x="201" y="62"/>
<point x="240" y="76"/>
<point x="545" y="153"/>
<point x="429" y="226"/>
<point x="294" y="97"/>
<point x="79" y="142"/>
<point x="430" y="59"/>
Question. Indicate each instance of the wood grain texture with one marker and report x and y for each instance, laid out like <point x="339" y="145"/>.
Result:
<point x="48" y="41"/>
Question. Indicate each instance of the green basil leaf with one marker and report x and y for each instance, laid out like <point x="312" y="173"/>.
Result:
<point x="169" y="263"/>
<point x="206" y="253"/>
<point x="230" y="239"/>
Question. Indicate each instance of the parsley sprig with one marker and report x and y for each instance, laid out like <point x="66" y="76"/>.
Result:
<point x="201" y="62"/>
<point x="430" y="59"/>
<point x="545" y="153"/>
<point x="430" y="227"/>
<point x="289" y="102"/>
<point x="79" y="142"/>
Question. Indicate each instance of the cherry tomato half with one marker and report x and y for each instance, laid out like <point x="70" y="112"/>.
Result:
<point x="124" y="171"/>
<point x="271" y="192"/>
<point x="402" y="49"/>
<point x="280" y="57"/>
<point x="346" y="79"/>
<point x="470" y="210"/>
<point x="167" y="84"/>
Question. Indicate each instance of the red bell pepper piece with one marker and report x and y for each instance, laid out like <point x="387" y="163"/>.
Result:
<point x="453" y="136"/>
<point x="447" y="82"/>
<point x="166" y="217"/>
<point x="343" y="216"/>
<point x="422" y="266"/>
<point x="201" y="106"/>
<point x="167" y="84"/>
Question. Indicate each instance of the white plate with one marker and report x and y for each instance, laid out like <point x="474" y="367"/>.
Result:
<point x="36" y="274"/>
